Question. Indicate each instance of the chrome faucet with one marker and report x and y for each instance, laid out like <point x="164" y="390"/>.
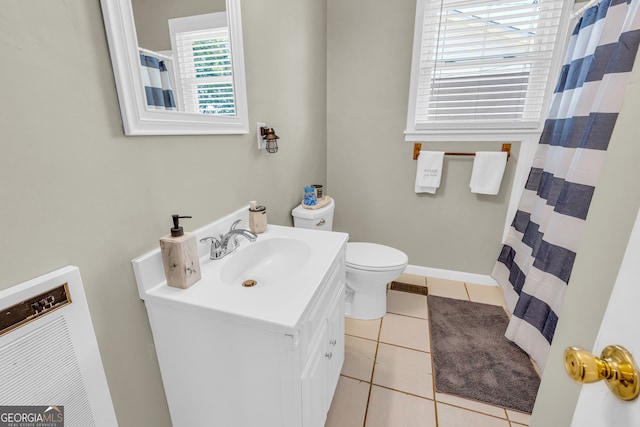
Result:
<point x="227" y="243"/>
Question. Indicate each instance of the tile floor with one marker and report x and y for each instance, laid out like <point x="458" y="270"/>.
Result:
<point x="387" y="379"/>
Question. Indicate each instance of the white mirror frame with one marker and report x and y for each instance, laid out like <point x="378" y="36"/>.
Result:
<point x="136" y="119"/>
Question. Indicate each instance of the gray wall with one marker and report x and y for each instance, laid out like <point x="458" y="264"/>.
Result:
<point x="75" y="190"/>
<point x="371" y="171"/>
<point x="151" y="16"/>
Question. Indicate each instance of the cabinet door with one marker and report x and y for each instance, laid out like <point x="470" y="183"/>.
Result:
<point x="335" y="342"/>
<point x="314" y="383"/>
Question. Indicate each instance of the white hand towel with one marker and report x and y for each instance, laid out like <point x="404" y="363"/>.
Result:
<point x="429" y="171"/>
<point x="488" y="169"/>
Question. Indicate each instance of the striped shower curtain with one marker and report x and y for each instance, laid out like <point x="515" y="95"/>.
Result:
<point x="534" y="266"/>
<point x="157" y="84"/>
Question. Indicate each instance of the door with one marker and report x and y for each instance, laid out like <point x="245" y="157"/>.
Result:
<point x="597" y="406"/>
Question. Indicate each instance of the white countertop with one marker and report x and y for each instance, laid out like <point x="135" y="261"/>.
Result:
<point x="278" y="307"/>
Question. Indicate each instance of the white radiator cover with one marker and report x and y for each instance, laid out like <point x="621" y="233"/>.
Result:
<point x="54" y="360"/>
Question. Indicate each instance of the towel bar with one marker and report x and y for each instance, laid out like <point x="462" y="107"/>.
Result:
<point x="418" y="146"/>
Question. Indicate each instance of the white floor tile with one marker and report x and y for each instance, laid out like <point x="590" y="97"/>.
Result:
<point x="358" y="358"/>
<point x="368" y="329"/>
<point x="519" y="417"/>
<point x="349" y="403"/>
<point x="471" y="404"/>
<point x="407" y="304"/>
<point x="447" y="288"/>
<point x="403" y="369"/>
<point x="451" y="416"/>
<point x="486" y="294"/>
<point x="406" y="332"/>
<point x="388" y="408"/>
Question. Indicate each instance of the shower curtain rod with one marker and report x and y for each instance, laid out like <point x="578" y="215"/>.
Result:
<point x="418" y="146"/>
<point x="578" y="13"/>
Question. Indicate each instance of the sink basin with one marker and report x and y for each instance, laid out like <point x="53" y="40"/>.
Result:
<point x="289" y="265"/>
<point x="266" y="262"/>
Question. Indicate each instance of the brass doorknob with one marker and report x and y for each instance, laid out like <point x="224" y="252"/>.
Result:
<point x="615" y="365"/>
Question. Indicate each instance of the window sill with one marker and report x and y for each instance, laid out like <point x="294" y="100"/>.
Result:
<point x="477" y="134"/>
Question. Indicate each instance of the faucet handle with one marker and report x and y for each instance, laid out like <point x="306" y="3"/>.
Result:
<point x="235" y="224"/>
<point x="232" y="244"/>
<point x="216" y="247"/>
<point x="214" y="242"/>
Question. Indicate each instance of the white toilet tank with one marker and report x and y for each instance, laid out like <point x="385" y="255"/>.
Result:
<point x="315" y="219"/>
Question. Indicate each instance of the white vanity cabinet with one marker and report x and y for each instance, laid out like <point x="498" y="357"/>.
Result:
<point x="221" y="370"/>
<point x="323" y="364"/>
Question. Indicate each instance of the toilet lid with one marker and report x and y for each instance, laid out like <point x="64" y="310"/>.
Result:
<point x="372" y="256"/>
<point x="304" y="213"/>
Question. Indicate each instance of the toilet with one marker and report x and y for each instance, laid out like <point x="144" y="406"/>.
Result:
<point x="369" y="267"/>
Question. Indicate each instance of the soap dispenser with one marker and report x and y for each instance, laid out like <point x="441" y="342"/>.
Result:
<point x="257" y="218"/>
<point x="180" y="256"/>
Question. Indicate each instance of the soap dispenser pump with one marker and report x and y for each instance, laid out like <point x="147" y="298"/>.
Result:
<point x="180" y="256"/>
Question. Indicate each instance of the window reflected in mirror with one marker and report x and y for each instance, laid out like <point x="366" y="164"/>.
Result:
<point x="178" y="66"/>
<point x="185" y="55"/>
<point x="204" y="73"/>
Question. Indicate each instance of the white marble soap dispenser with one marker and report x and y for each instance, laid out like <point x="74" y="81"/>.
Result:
<point x="180" y="256"/>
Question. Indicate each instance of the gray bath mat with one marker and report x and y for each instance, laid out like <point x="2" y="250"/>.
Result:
<point x="472" y="358"/>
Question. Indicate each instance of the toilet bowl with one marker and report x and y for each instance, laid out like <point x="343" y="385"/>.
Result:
<point x="369" y="266"/>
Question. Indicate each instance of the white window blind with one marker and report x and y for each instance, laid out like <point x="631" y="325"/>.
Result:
<point x="484" y="62"/>
<point x="202" y="48"/>
<point x="204" y="62"/>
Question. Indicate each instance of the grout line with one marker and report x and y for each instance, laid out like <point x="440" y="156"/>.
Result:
<point x="354" y="378"/>
<point x="406" y="315"/>
<point x="435" y="400"/>
<point x="358" y="336"/>
<point x="366" y="408"/>
<point x="373" y="369"/>
<point x="433" y="376"/>
<point x="406" y="348"/>
<point x="513" y="410"/>
<point x="405" y="392"/>
<point x="466" y="289"/>
<point x="505" y="418"/>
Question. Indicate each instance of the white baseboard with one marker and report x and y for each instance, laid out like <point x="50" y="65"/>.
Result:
<point x="460" y="276"/>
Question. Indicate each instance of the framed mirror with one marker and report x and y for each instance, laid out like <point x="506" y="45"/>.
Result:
<point x="136" y="89"/>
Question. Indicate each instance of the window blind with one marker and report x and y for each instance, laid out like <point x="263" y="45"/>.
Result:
<point x="485" y="61"/>
<point x="206" y="75"/>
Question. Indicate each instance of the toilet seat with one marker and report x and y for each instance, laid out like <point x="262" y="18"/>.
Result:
<point x="374" y="257"/>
